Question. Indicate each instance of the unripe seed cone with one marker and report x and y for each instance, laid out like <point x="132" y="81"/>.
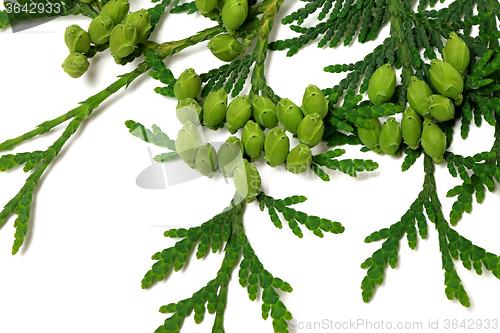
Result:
<point x="447" y="80"/>
<point x="230" y="155"/>
<point x="390" y="137"/>
<point x="234" y="13"/>
<point x="76" y="64"/>
<point x="206" y="160"/>
<point x="239" y="112"/>
<point x="100" y="28"/>
<point x="187" y="85"/>
<point x="116" y="10"/>
<point x="411" y="128"/>
<point x="440" y="107"/>
<point x="264" y="111"/>
<point x="86" y="1"/>
<point x="370" y="137"/>
<point x="457" y="53"/>
<point x="276" y="147"/>
<point x="220" y="5"/>
<point x="205" y="6"/>
<point x="225" y="47"/>
<point x="122" y="40"/>
<point x="76" y="39"/>
<point x="247" y="181"/>
<point x="311" y="130"/>
<point x="140" y="19"/>
<point x="215" y="109"/>
<point x="417" y="94"/>
<point x="188" y="110"/>
<point x="299" y="159"/>
<point x="314" y="101"/>
<point x="382" y="84"/>
<point x="289" y="115"/>
<point x="433" y="141"/>
<point x="253" y="138"/>
<point x="188" y="141"/>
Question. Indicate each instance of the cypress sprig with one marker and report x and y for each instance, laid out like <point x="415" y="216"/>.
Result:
<point x="214" y="295"/>
<point x="156" y="137"/>
<point x="232" y="77"/>
<point x="253" y="276"/>
<point x="224" y="228"/>
<point x="483" y="174"/>
<point x="211" y="234"/>
<point x="348" y="166"/>
<point x="160" y="72"/>
<point x="189" y="7"/>
<point x="293" y="217"/>
<point x="21" y="203"/>
<point x="452" y="245"/>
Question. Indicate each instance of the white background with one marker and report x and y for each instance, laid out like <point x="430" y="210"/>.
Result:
<point x="93" y="230"/>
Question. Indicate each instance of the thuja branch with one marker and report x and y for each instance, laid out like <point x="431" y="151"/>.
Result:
<point x="169" y="48"/>
<point x="21" y="203"/>
<point x="406" y="53"/>
<point x="452" y="245"/>
<point x="269" y="10"/>
<point x="89" y="105"/>
<point x="234" y="75"/>
<point x="226" y="230"/>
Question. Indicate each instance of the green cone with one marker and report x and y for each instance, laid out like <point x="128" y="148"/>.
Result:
<point x="188" y="110"/>
<point x="76" y="64"/>
<point x="188" y="85"/>
<point x="417" y="94"/>
<point x="253" y="138"/>
<point x="411" y="128"/>
<point x="238" y="113"/>
<point x="247" y="181"/>
<point x="215" y="109"/>
<point x="447" y="80"/>
<point x="276" y="147"/>
<point x="230" y="155"/>
<point x="370" y="137"/>
<point x="311" y="129"/>
<point x="187" y="142"/>
<point x="205" y="6"/>
<point x="206" y="160"/>
<point x="440" y="107"/>
<point x="116" y="10"/>
<point x="299" y="159"/>
<point x="289" y="115"/>
<point x="122" y="40"/>
<point x="234" y="13"/>
<point x="76" y="39"/>
<point x="390" y="137"/>
<point x="433" y="141"/>
<point x="457" y="53"/>
<point x="99" y="29"/>
<point x="264" y="112"/>
<point x="314" y="101"/>
<point x="141" y="21"/>
<point x="382" y="84"/>
<point x="225" y="47"/>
